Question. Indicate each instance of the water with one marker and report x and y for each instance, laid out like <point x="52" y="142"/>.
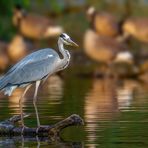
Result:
<point x="115" y="115"/>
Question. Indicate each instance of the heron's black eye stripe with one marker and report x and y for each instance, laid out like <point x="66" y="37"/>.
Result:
<point x="64" y="38"/>
<point x="62" y="35"/>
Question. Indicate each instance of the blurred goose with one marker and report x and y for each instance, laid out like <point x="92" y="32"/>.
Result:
<point x="136" y="27"/>
<point x="18" y="48"/>
<point x="105" y="49"/>
<point x="4" y="60"/>
<point x="35" y="26"/>
<point x="104" y="23"/>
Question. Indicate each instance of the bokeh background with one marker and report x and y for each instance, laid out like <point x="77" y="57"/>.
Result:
<point x="111" y="97"/>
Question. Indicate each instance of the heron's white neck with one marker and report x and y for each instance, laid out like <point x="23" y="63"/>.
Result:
<point x="62" y="50"/>
<point x="65" y="53"/>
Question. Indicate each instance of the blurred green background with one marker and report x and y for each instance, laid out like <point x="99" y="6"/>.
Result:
<point x="69" y="13"/>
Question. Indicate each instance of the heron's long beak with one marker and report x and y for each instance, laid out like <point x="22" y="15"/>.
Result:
<point x="72" y="43"/>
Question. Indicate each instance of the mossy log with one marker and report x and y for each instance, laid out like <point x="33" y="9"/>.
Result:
<point x="9" y="128"/>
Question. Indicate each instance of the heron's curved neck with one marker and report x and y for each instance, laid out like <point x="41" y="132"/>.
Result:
<point x="62" y="50"/>
<point x="66" y="55"/>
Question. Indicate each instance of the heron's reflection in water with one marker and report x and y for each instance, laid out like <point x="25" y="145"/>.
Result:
<point x="37" y="142"/>
<point x="100" y="105"/>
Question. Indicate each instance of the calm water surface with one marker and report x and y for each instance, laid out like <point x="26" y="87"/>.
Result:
<point x="115" y="115"/>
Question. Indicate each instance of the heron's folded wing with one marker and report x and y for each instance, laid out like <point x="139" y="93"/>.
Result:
<point x="34" y="71"/>
<point x="33" y="57"/>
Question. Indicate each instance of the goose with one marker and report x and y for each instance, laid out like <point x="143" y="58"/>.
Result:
<point x="18" y="48"/>
<point x="137" y="28"/>
<point x="35" y="26"/>
<point x="105" y="49"/>
<point x="4" y="60"/>
<point x="103" y="22"/>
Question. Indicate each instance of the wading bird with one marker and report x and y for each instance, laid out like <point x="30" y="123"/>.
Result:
<point x="34" y="68"/>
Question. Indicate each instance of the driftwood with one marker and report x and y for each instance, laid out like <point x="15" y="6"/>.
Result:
<point x="9" y="128"/>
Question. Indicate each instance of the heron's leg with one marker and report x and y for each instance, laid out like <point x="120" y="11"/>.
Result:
<point x="20" y="105"/>
<point x="34" y="102"/>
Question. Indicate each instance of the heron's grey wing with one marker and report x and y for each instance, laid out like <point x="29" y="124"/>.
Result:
<point x="38" y="55"/>
<point x="35" y="70"/>
<point x="31" y="68"/>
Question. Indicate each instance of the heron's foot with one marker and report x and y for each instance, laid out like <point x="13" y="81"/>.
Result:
<point x="40" y="127"/>
<point x="23" y="128"/>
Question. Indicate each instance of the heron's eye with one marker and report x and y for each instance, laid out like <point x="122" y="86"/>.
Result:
<point x="64" y="38"/>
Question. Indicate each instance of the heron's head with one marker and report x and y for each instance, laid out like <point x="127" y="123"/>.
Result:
<point x="67" y="40"/>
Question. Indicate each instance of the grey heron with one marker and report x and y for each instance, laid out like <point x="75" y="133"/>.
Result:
<point x="35" y="68"/>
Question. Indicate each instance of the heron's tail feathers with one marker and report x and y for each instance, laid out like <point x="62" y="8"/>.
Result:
<point x="8" y="90"/>
<point x="4" y="85"/>
<point x="3" y="82"/>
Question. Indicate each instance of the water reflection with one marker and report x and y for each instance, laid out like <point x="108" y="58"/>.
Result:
<point x="55" y="87"/>
<point x="104" y="103"/>
<point x="14" y="101"/>
<point x="100" y="105"/>
<point x="37" y="142"/>
<point x="125" y="93"/>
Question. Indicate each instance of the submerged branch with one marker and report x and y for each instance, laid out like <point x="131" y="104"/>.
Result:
<point x="8" y="127"/>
